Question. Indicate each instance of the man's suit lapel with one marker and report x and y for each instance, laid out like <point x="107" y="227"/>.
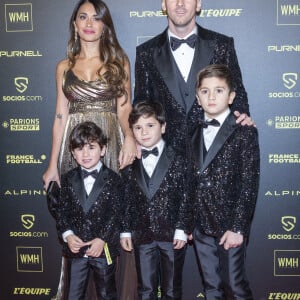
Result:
<point x="223" y="134"/>
<point x="166" y="65"/>
<point x="204" y="50"/>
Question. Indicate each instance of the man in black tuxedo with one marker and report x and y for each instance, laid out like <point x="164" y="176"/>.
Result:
<point x="166" y="69"/>
<point x="88" y="215"/>
<point x="226" y="157"/>
<point x="158" y="209"/>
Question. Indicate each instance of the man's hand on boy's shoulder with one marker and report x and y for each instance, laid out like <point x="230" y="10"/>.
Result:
<point x="244" y="119"/>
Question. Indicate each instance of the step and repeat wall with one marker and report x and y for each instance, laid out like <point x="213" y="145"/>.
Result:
<point x="33" y="38"/>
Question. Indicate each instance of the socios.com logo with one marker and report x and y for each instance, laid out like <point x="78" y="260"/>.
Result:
<point x="289" y="80"/>
<point x="288" y="223"/>
<point x="27" y="221"/>
<point x="21" y="84"/>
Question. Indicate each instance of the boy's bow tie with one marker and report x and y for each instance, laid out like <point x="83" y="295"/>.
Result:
<point x="146" y="152"/>
<point x="86" y="174"/>
<point x="212" y="122"/>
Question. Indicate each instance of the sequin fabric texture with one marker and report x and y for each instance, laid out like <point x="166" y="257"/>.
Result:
<point x="170" y="207"/>
<point x="226" y="190"/>
<point x="101" y="220"/>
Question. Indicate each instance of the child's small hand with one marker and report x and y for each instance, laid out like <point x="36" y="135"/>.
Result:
<point x="231" y="239"/>
<point x="95" y="247"/>
<point x="178" y="244"/>
<point x="74" y="243"/>
<point x="126" y="243"/>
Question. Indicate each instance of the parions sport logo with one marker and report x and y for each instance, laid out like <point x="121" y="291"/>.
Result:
<point x="284" y="122"/>
<point x="22" y="124"/>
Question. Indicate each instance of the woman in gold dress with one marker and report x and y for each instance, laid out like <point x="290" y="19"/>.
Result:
<point x="93" y="84"/>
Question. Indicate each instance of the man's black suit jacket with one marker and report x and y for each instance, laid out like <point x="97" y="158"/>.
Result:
<point x="156" y="80"/>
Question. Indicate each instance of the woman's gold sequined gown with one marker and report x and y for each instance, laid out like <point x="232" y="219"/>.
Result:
<point x="94" y="101"/>
<point x="90" y="101"/>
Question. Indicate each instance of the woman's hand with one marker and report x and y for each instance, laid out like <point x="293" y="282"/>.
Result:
<point x="128" y="152"/>
<point x="50" y="175"/>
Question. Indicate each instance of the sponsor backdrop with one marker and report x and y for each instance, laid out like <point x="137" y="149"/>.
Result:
<point x="34" y="35"/>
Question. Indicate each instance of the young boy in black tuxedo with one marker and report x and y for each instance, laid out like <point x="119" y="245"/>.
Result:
<point x="89" y="209"/>
<point x="227" y="158"/>
<point x="158" y="210"/>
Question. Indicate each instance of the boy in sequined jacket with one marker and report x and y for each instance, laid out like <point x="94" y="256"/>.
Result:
<point x="88" y="214"/>
<point x="158" y="213"/>
<point x="226" y="156"/>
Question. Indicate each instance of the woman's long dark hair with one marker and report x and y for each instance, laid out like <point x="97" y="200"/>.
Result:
<point x="112" y="55"/>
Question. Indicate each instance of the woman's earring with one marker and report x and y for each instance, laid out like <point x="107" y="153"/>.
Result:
<point x="75" y="37"/>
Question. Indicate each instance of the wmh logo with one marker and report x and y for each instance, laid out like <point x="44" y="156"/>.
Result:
<point x="29" y="259"/>
<point x="288" y="12"/>
<point x="18" y="17"/>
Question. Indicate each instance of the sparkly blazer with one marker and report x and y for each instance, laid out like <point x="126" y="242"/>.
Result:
<point x="156" y="206"/>
<point x="157" y="78"/>
<point x="96" y="215"/>
<point x="227" y="178"/>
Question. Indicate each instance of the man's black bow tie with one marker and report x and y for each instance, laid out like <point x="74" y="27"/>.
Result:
<point x="86" y="174"/>
<point x="146" y="152"/>
<point x="212" y="122"/>
<point x="175" y="43"/>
